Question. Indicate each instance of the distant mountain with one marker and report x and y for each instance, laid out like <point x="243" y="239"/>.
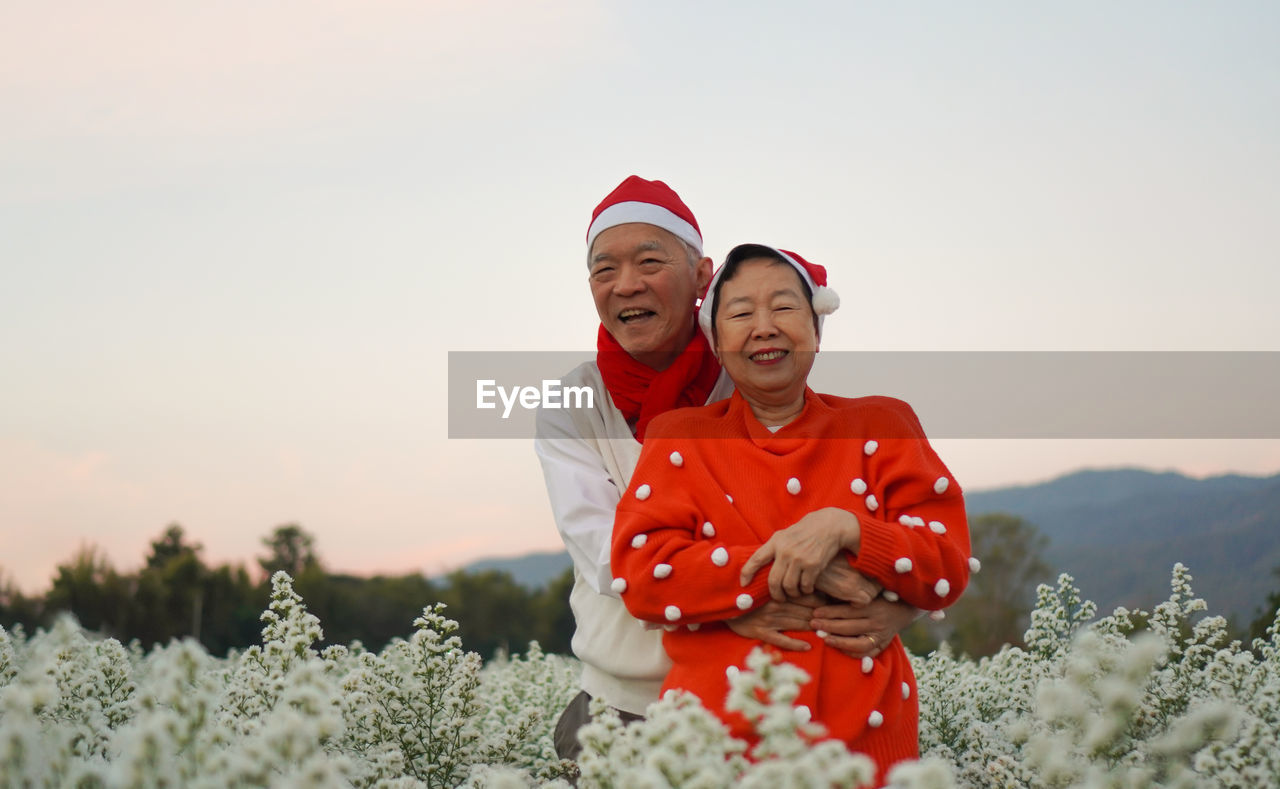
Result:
<point x="1119" y="533"/>
<point x="531" y="570"/>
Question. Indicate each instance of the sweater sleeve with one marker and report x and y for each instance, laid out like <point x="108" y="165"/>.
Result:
<point x="914" y="533"/>
<point x="671" y="561"/>
<point x="582" y="495"/>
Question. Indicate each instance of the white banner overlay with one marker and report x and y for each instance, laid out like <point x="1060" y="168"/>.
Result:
<point x="1059" y="394"/>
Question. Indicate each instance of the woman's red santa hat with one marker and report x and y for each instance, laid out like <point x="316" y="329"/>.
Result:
<point x="649" y="202"/>
<point x="825" y="300"/>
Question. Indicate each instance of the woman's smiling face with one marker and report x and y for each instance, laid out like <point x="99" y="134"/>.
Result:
<point x="765" y="334"/>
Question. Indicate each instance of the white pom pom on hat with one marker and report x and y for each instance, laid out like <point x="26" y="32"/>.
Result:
<point x="825" y="300"/>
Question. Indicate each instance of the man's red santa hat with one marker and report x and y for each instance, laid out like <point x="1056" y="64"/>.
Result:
<point x="649" y="202"/>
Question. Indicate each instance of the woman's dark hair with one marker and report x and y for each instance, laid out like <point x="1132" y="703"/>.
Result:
<point x="734" y="260"/>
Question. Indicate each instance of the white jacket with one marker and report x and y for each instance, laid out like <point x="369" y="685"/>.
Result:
<point x="588" y="456"/>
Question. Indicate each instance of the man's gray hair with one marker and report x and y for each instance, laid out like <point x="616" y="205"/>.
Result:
<point x="690" y="251"/>
<point x="695" y="257"/>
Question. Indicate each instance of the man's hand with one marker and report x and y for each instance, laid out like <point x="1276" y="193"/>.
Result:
<point x="800" y="551"/>
<point x="840" y="581"/>
<point x="863" y="630"/>
<point x="767" y="622"/>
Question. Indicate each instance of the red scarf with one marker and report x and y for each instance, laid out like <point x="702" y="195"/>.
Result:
<point x="641" y="392"/>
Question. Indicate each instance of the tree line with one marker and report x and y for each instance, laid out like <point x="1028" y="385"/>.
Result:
<point x="176" y="594"/>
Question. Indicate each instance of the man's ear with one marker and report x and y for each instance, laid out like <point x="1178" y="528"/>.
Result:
<point x="702" y="274"/>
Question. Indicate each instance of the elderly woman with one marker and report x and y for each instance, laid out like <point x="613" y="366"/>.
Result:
<point x="754" y="496"/>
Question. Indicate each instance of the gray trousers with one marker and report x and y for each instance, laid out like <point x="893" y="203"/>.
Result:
<point x="576" y="715"/>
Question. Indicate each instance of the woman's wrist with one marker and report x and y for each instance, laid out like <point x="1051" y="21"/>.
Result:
<point x="850" y="529"/>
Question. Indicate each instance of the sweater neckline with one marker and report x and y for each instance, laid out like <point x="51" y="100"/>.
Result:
<point x="788" y="438"/>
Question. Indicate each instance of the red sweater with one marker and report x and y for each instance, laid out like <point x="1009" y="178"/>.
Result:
<point x="713" y="483"/>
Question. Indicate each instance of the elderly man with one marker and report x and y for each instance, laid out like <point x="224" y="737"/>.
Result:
<point x="647" y="272"/>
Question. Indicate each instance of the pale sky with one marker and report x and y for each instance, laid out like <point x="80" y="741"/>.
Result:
<point x="237" y="240"/>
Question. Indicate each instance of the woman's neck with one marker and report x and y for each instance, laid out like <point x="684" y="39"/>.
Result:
<point x="776" y="414"/>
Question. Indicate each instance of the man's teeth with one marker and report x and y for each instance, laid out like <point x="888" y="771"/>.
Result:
<point x="768" y="356"/>
<point x="632" y="313"/>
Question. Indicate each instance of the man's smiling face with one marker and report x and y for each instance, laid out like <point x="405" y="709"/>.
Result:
<point x="644" y="288"/>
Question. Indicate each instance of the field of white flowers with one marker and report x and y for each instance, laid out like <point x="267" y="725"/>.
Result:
<point x="1089" y="703"/>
